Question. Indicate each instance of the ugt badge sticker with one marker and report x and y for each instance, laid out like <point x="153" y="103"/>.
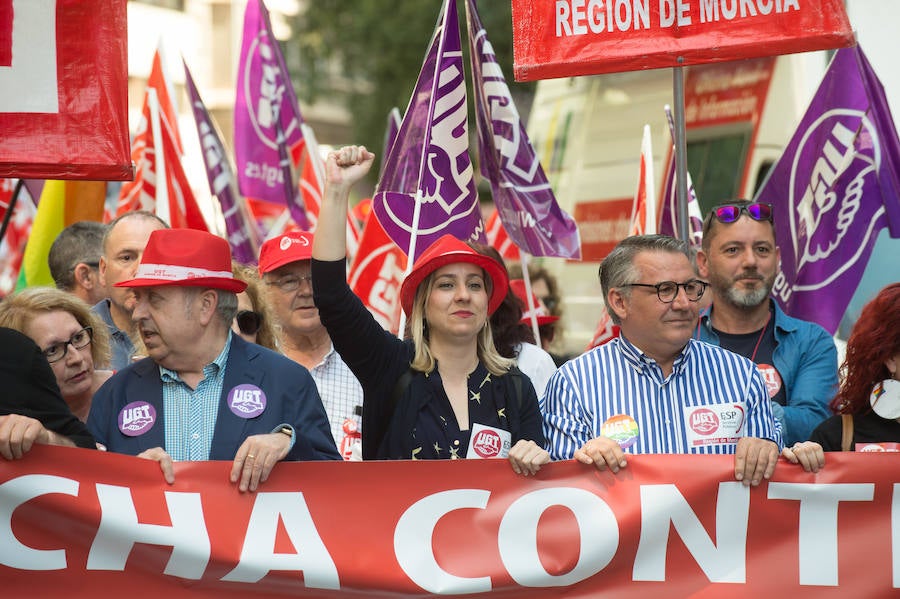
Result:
<point x="714" y="424"/>
<point x="247" y="401"/>
<point x="136" y="418"/>
<point x="488" y="442"/>
<point x="622" y="429"/>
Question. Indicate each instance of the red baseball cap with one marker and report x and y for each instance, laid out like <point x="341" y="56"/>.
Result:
<point x="540" y="310"/>
<point x="450" y="250"/>
<point x="185" y="258"/>
<point x="292" y="246"/>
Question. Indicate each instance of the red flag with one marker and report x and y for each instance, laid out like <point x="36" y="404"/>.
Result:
<point x="499" y="239"/>
<point x="377" y="272"/>
<point x="643" y="215"/>
<point x="606" y="330"/>
<point x="160" y="184"/>
<point x="12" y="247"/>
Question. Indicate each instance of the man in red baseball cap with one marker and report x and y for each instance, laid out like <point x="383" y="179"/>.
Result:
<point x="284" y="265"/>
<point x="204" y="393"/>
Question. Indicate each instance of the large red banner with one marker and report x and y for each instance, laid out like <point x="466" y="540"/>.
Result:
<point x="673" y="526"/>
<point x="566" y="38"/>
<point x="64" y="90"/>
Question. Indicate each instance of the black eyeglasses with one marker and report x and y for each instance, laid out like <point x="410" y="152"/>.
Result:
<point x="291" y="283"/>
<point x="728" y="213"/>
<point x="667" y="291"/>
<point x="248" y="321"/>
<point x="79" y="340"/>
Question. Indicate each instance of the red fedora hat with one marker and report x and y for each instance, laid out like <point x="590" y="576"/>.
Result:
<point x="185" y="258"/>
<point x="450" y="250"/>
<point x="540" y="310"/>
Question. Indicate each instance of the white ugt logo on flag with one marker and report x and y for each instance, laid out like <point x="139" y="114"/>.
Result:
<point x="29" y="84"/>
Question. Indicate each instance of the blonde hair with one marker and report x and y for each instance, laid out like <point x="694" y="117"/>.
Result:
<point x="266" y="335"/>
<point x="17" y="310"/>
<point x="424" y="361"/>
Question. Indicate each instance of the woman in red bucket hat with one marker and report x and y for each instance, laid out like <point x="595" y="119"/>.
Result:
<point x="444" y="392"/>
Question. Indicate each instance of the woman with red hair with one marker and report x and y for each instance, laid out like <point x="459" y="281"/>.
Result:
<point x="867" y="405"/>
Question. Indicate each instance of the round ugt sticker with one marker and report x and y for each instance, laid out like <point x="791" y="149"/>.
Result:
<point x="136" y="418"/>
<point x="247" y="401"/>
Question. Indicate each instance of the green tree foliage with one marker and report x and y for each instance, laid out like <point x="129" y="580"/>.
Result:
<point x="377" y="47"/>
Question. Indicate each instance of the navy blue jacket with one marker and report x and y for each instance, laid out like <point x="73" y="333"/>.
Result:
<point x="291" y="396"/>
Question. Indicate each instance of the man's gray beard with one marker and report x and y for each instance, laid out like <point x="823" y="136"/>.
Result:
<point x="750" y="298"/>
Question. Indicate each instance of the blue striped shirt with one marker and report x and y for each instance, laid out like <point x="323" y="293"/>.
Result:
<point x="711" y="398"/>
<point x="190" y="414"/>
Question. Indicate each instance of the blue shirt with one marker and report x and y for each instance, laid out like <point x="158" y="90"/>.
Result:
<point x="120" y="342"/>
<point x="711" y="398"/>
<point x="190" y="414"/>
<point x="806" y="359"/>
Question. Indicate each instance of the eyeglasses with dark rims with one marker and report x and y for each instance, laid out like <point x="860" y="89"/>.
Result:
<point x="667" y="291"/>
<point x="78" y="340"/>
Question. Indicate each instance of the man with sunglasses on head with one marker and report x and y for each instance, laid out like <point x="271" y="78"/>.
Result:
<point x="797" y="359"/>
<point x="284" y="265"/>
<point x="654" y="389"/>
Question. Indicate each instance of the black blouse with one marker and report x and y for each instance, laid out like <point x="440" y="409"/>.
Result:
<point x="417" y="422"/>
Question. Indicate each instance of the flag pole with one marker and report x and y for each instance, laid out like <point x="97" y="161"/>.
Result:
<point x="682" y="232"/>
<point x="529" y="297"/>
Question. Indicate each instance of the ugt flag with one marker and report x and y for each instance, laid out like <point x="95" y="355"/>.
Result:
<point x="242" y="232"/>
<point x="668" y="222"/>
<point x="522" y="193"/>
<point x="268" y="126"/>
<point x="834" y="188"/>
<point x="426" y="188"/>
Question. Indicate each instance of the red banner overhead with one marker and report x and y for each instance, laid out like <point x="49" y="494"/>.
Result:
<point x="667" y="526"/>
<point x="566" y="38"/>
<point x="64" y="90"/>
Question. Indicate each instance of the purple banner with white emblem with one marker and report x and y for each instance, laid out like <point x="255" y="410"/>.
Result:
<point x="242" y="234"/>
<point x="426" y="188"/>
<point x="834" y="188"/>
<point x="522" y="193"/>
<point x="267" y="117"/>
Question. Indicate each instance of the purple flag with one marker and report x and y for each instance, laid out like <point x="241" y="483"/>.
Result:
<point x="834" y="188"/>
<point x="242" y="234"/>
<point x="426" y="188"/>
<point x="390" y="133"/>
<point x="668" y="218"/>
<point x="522" y="193"/>
<point x="267" y="120"/>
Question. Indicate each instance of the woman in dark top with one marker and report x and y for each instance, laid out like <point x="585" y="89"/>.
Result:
<point x="445" y="392"/>
<point x="31" y="408"/>
<point x="870" y="387"/>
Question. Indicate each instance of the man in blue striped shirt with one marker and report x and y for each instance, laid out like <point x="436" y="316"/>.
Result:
<point x="654" y="389"/>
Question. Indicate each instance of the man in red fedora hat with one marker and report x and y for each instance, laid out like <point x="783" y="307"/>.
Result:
<point x="284" y="265"/>
<point x="204" y="393"/>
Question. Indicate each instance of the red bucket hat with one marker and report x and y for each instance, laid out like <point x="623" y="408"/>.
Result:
<point x="450" y="250"/>
<point x="293" y="246"/>
<point x="540" y="310"/>
<point x="185" y="258"/>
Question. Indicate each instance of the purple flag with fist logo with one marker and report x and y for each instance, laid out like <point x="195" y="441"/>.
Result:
<point x="834" y="188"/>
<point x="242" y="234"/>
<point x="426" y="188"/>
<point x="267" y="120"/>
<point x="522" y="193"/>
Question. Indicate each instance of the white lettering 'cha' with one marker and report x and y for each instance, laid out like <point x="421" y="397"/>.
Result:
<point x="258" y="555"/>
<point x="15" y="492"/>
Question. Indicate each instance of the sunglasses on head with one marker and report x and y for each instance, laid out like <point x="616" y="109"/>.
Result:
<point x="728" y="213"/>
<point x="248" y="321"/>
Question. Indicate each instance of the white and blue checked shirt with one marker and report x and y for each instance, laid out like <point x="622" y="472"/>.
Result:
<point x="341" y="393"/>
<point x="190" y="414"/>
<point x="682" y="413"/>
